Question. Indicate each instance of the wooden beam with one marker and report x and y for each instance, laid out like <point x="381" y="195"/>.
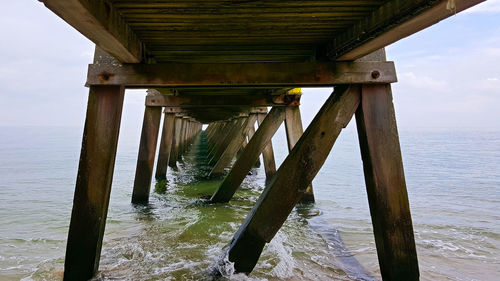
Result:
<point x="230" y="131"/>
<point x="233" y="146"/>
<point x="294" y="130"/>
<point x="241" y="74"/>
<point x="93" y="183"/>
<point x="391" y="22"/>
<point x="385" y="184"/>
<point x="267" y="153"/>
<point x="202" y="101"/>
<point x="165" y="145"/>
<point x="147" y="152"/>
<point x="250" y="154"/>
<point x="292" y="178"/>
<point x="102" y="24"/>
<point x="174" y="154"/>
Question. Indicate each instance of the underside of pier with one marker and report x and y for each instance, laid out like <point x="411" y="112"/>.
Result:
<point x="235" y="64"/>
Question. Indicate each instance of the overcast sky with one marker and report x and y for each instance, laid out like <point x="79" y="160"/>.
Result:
<point x="449" y="74"/>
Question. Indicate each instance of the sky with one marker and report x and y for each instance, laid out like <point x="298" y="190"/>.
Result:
<point x="448" y="74"/>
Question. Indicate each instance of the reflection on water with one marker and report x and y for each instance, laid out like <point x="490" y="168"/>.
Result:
<point x="453" y="188"/>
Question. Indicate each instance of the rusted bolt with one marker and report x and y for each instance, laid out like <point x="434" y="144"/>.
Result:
<point x="375" y="74"/>
<point x="104" y="77"/>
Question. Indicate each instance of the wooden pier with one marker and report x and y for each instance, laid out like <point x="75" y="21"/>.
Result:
<point x="233" y="65"/>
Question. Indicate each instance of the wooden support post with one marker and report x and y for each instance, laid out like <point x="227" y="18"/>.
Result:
<point x="182" y="139"/>
<point x="251" y="132"/>
<point x="146" y="157"/>
<point x="231" y="133"/>
<point x="174" y="154"/>
<point x="385" y="184"/>
<point x="292" y="178"/>
<point x="93" y="183"/>
<point x="267" y="153"/>
<point x="251" y="152"/>
<point x="165" y="146"/>
<point x="219" y="137"/>
<point x="233" y="146"/>
<point x="293" y="128"/>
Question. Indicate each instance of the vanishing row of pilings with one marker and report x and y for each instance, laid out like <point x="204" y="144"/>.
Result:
<point x="372" y="106"/>
<point x="178" y="132"/>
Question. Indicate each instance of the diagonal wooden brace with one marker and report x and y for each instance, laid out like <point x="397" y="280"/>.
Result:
<point x="250" y="154"/>
<point x="292" y="178"/>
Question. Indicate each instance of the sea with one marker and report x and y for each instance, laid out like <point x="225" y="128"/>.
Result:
<point x="453" y="180"/>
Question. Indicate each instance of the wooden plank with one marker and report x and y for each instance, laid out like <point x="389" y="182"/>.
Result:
<point x="250" y="154"/>
<point x="93" y="183"/>
<point x="267" y="153"/>
<point x="233" y="146"/>
<point x="165" y="146"/>
<point x="292" y="178"/>
<point x="385" y="184"/>
<point x="146" y="157"/>
<point x="202" y="101"/>
<point x="294" y="130"/>
<point x="393" y="21"/>
<point x="241" y="74"/>
<point x="102" y="24"/>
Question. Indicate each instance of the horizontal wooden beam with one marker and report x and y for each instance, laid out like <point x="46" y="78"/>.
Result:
<point x="391" y="22"/>
<point x="102" y="24"/>
<point x="221" y="101"/>
<point x="303" y="74"/>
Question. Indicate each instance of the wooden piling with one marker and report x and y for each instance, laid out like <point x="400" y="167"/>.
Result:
<point x="165" y="146"/>
<point x="93" y="183"/>
<point x="293" y="128"/>
<point x="292" y="178"/>
<point x="233" y="146"/>
<point x="146" y="157"/>
<point x="233" y="130"/>
<point x="174" y="154"/>
<point x="251" y="152"/>
<point x="267" y="153"/>
<point x="385" y="184"/>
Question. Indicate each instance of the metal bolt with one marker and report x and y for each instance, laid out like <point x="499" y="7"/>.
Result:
<point x="375" y="74"/>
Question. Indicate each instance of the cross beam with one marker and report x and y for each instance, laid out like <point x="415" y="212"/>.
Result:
<point x="300" y="74"/>
<point x="222" y="101"/>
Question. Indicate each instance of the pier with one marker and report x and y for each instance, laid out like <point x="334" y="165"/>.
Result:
<point x="238" y="67"/>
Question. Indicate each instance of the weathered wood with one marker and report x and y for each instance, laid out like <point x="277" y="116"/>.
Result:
<point x="197" y="101"/>
<point x="241" y="74"/>
<point x="165" y="146"/>
<point x="292" y="178"/>
<point x="93" y="183"/>
<point x="174" y="154"/>
<point x="146" y="156"/>
<point x="385" y="184"/>
<point x="294" y="130"/>
<point x="389" y="23"/>
<point x="230" y="133"/>
<point x="182" y="139"/>
<point x="231" y="150"/>
<point x="217" y="137"/>
<point x="102" y="24"/>
<point x="251" y="132"/>
<point x="267" y="153"/>
<point x="250" y="154"/>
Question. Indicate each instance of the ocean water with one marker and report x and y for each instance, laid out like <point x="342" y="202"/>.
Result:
<point x="453" y="182"/>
